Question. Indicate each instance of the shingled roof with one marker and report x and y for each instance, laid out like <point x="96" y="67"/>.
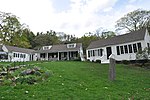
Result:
<point x="120" y="39"/>
<point x="61" y="48"/>
<point x="17" y="49"/>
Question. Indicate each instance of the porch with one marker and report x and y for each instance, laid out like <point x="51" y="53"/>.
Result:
<point x="3" y="56"/>
<point x="56" y="56"/>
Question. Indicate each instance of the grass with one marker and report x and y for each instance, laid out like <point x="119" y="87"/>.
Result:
<point x="83" y="81"/>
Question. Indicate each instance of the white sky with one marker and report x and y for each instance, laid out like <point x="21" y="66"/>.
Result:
<point x="71" y="16"/>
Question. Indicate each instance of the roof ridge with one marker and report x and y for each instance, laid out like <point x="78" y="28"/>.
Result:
<point x="119" y="39"/>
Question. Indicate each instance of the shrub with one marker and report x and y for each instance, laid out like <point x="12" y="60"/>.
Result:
<point x="125" y="62"/>
<point x="147" y="65"/>
<point x="7" y="82"/>
<point x="98" y="61"/>
<point x="78" y="59"/>
<point x="47" y="74"/>
<point x="37" y="73"/>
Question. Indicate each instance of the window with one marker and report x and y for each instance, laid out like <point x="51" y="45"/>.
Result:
<point x="93" y="53"/>
<point x="24" y="56"/>
<point x="134" y="48"/>
<point x="96" y="52"/>
<point x="121" y="48"/>
<point x="126" y="48"/>
<point x="14" y="54"/>
<point x="18" y="55"/>
<point x="130" y="48"/>
<point x="118" y="50"/>
<point x="100" y="52"/>
<point x="139" y="46"/>
<point x="148" y="45"/>
<point x="47" y="47"/>
<point x="21" y="55"/>
<point x="71" y="45"/>
<point x="88" y="53"/>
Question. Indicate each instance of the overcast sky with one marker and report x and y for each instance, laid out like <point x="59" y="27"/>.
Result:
<point x="71" y="16"/>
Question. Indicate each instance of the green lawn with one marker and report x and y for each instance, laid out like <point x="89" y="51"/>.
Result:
<point x="83" y="81"/>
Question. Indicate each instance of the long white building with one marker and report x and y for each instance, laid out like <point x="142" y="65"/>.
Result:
<point x="11" y="53"/>
<point x="124" y="47"/>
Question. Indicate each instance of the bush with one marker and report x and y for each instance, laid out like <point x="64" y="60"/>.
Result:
<point x="7" y="82"/>
<point x="125" y="62"/>
<point x="147" y="65"/>
<point x="142" y="62"/>
<point x="78" y="59"/>
<point x="98" y="61"/>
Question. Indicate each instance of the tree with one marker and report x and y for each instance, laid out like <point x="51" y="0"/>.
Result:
<point x="44" y="39"/>
<point x="143" y="56"/>
<point x="104" y="33"/>
<point x="30" y="36"/>
<point x="11" y="31"/>
<point x="134" y="20"/>
<point x="86" y="40"/>
<point x="107" y="34"/>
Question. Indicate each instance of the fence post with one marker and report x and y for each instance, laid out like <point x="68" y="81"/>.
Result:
<point x="112" y="65"/>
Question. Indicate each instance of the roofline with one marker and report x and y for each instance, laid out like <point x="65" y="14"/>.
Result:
<point x="115" y="37"/>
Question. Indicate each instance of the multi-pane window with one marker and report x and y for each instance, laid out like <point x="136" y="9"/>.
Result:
<point x="88" y="53"/>
<point x="134" y="48"/>
<point x="14" y="54"/>
<point x="96" y="52"/>
<point x="121" y="48"/>
<point x="100" y="52"/>
<point x="93" y="53"/>
<point x="130" y="48"/>
<point x="24" y="56"/>
<point x="70" y="45"/>
<point x="148" y="45"/>
<point x="139" y="46"/>
<point x="126" y="48"/>
<point x="21" y="55"/>
<point x="118" y="50"/>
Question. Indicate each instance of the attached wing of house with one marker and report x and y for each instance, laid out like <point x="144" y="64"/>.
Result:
<point x="124" y="47"/>
<point x="17" y="54"/>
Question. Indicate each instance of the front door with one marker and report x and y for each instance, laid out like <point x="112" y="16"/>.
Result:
<point x="109" y="52"/>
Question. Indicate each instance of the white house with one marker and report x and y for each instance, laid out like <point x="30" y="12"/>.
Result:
<point x="124" y="47"/>
<point x="61" y="52"/>
<point x="11" y="53"/>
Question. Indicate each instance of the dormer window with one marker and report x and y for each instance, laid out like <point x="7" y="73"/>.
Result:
<point x="71" y="45"/>
<point x="47" y="47"/>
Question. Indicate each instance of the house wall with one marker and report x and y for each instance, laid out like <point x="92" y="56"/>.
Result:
<point x="19" y="56"/>
<point x="25" y="56"/>
<point x="147" y="39"/>
<point x="125" y="56"/>
<point x="81" y="54"/>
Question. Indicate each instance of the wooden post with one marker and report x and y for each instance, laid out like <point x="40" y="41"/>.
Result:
<point x="112" y="70"/>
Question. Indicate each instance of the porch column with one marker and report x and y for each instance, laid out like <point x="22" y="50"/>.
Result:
<point x="67" y="55"/>
<point x="46" y="56"/>
<point x="58" y="56"/>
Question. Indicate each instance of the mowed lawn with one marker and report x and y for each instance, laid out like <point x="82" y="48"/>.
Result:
<point x="83" y="81"/>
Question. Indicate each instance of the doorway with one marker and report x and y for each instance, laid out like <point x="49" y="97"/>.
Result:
<point x="109" y="51"/>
